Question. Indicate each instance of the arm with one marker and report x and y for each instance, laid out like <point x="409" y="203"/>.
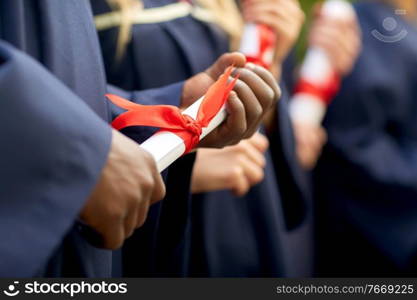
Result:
<point x="293" y="181"/>
<point x="53" y="150"/>
<point x="372" y="145"/>
<point x="59" y="161"/>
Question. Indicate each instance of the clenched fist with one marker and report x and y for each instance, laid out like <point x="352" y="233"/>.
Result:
<point x="128" y="185"/>
<point x="255" y="93"/>
<point x="310" y="139"/>
<point x="235" y="168"/>
<point x="341" y="39"/>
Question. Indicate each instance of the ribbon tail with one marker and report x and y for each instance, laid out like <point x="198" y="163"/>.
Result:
<point x="123" y="103"/>
<point x="161" y="116"/>
<point x="215" y="98"/>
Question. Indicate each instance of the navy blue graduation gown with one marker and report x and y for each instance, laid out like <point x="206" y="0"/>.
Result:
<point x="367" y="177"/>
<point x="55" y="136"/>
<point x="222" y="235"/>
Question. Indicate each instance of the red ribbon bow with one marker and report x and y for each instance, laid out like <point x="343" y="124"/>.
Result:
<point x="170" y="118"/>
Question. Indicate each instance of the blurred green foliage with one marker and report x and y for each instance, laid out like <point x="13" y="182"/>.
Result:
<point x="307" y="6"/>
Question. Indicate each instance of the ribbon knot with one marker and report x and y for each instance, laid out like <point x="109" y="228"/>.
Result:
<point x="170" y="118"/>
<point x="194" y="128"/>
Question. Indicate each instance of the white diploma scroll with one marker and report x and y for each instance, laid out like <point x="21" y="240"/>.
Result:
<point x="166" y="147"/>
<point x="252" y="44"/>
<point x="317" y="69"/>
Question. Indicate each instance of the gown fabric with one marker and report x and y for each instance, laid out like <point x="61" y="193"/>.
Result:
<point x="366" y="180"/>
<point x="55" y="136"/>
<point x="256" y="235"/>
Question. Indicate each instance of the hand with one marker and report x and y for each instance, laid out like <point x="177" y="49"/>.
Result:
<point x="255" y="92"/>
<point x="129" y="183"/>
<point x="285" y="16"/>
<point x="235" y="168"/>
<point x="339" y="38"/>
<point x="310" y="140"/>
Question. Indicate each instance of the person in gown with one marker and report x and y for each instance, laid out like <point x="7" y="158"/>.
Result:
<point x="366" y="178"/>
<point x="254" y="232"/>
<point x="60" y="160"/>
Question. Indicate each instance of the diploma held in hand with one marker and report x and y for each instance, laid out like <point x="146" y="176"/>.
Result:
<point x="318" y="82"/>
<point x="180" y="131"/>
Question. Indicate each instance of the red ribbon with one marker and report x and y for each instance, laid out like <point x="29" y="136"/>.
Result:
<point x="267" y="40"/>
<point x="324" y="92"/>
<point x="170" y="118"/>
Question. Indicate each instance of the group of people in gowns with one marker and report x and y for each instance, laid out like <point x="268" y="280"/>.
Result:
<point x="265" y="196"/>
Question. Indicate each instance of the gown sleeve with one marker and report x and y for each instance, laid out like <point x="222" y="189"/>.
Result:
<point x="167" y="95"/>
<point x="293" y="181"/>
<point x="374" y="150"/>
<point x="52" y="151"/>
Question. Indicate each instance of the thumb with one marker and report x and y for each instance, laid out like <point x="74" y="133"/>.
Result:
<point x="236" y="59"/>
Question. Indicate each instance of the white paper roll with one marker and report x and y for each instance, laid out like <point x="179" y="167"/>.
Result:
<point x="166" y="147"/>
<point x="317" y="69"/>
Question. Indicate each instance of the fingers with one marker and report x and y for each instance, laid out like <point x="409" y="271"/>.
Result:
<point x="240" y="167"/>
<point x="259" y="141"/>
<point x="128" y="183"/>
<point x="236" y="124"/>
<point x="252" y="171"/>
<point x="113" y="234"/>
<point x="160" y="190"/>
<point x="130" y="222"/>
<point x="340" y="38"/>
<point x="254" y="94"/>
<point x="244" y="175"/>
<point x="236" y="59"/>
<point x="285" y="17"/>
<point x="142" y="213"/>
<point x="154" y="187"/>
<point x="306" y="157"/>
<point x="268" y="78"/>
<point x="240" y="184"/>
<point x="253" y="109"/>
<point x="232" y="130"/>
<point x="248" y="149"/>
<point x="265" y="93"/>
<point x="286" y="11"/>
<point x="310" y="140"/>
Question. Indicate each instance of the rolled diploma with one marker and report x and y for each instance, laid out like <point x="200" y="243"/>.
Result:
<point x="317" y="69"/>
<point x="166" y="147"/>
<point x="250" y="44"/>
<point x="250" y="40"/>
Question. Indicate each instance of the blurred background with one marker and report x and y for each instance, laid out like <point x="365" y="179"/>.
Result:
<point x="307" y="7"/>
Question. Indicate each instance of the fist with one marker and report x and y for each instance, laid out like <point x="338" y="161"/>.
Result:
<point x="255" y="93"/>
<point x="128" y="185"/>
<point x="284" y="16"/>
<point x="310" y="139"/>
<point x="341" y="39"/>
<point x="235" y="168"/>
